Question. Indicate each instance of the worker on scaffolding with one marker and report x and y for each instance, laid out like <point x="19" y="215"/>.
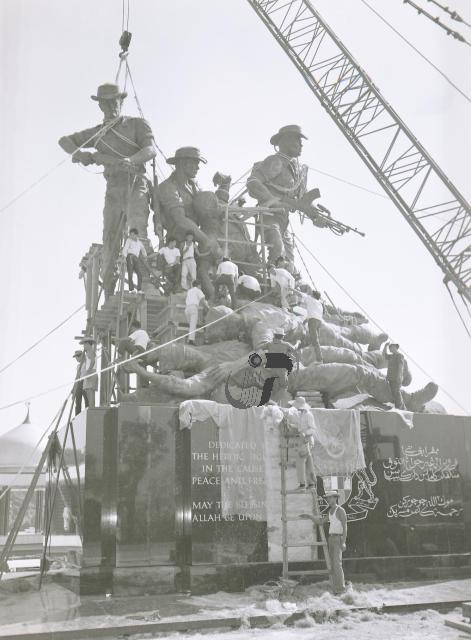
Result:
<point x="227" y="275"/>
<point x="300" y="419"/>
<point x="311" y="302"/>
<point x="248" y="287"/>
<point x="397" y="373"/>
<point x="87" y="370"/>
<point x="78" y="387"/>
<point x="134" y="252"/>
<point x="169" y="261"/>
<point x="124" y="144"/>
<point x="282" y="282"/>
<point x="279" y="182"/>
<point x="279" y="346"/>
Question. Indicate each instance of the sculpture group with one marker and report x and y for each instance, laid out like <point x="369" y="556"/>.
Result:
<point x="342" y="356"/>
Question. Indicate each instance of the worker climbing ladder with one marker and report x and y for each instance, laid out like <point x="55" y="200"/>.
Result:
<point x="319" y="538"/>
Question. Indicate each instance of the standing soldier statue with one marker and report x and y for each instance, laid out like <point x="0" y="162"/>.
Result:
<point x="124" y="144"/>
<point x="176" y="196"/>
<point x="279" y="182"/>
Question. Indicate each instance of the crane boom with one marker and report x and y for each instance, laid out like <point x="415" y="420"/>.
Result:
<point x="425" y="196"/>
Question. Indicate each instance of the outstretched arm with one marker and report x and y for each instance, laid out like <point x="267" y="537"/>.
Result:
<point x="69" y="146"/>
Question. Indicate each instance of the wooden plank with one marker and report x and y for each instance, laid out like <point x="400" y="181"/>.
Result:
<point x="114" y="631"/>
<point x="305" y="544"/>
<point x="313" y="572"/>
<point x="462" y="626"/>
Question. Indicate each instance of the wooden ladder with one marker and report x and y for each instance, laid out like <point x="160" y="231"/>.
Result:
<point x="319" y="537"/>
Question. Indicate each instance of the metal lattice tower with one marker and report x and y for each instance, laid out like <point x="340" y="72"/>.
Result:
<point x="428" y="200"/>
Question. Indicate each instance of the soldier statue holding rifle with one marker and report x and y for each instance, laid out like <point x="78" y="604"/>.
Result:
<point x="279" y="182"/>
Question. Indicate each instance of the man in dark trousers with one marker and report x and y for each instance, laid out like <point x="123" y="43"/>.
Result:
<point x="395" y="374"/>
<point x="134" y="252"/>
<point x="78" y="388"/>
<point x="278" y="345"/>
<point x="336" y="518"/>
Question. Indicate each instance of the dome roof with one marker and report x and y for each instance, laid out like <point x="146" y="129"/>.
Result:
<point x="18" y="444"/>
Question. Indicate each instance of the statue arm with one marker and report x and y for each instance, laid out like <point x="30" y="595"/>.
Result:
<point x="73" y="143"/>
<point x="170" y="201"/>
<point x="80" y="139"/>
<point x="67" y="144"/>
<point x="143" y="155"/>
<point x="263" y="172"/>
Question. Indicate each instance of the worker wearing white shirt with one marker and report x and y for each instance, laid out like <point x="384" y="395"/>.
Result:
<point x="227" y="274"/>
<point x="282" y="280"/>
<point x="248" y="287"/>
<point x="310" y="300"/>
<point x="300" y="418"/>
<point x="171" y="264"/>
<point x="194" y="297"/>
<point x="139" y="338"/>
<point x="133" y="251"/>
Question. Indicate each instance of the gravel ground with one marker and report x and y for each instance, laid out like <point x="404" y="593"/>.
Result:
<point x="348" y="626"/>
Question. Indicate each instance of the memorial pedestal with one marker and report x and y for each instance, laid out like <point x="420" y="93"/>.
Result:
<point x="154" y="496"/>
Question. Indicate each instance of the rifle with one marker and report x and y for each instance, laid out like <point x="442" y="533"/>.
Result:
<point x="321" y="216"/>
<point x="319" y="213"/>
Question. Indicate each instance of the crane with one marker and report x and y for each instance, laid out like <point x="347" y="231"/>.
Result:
<point x="425" y="196"/>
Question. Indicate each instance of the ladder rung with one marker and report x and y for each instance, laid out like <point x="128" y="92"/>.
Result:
<point x="298" y="491"/>
<point x="314" y="572"/>
<point x="301" y="519"/>
<point x="306" y="544"/>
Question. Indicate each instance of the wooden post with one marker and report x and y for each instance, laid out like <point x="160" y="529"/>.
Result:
<point x="262" y="246"/>
<point x="106" y="376"/>
<point x="226" y="232"/>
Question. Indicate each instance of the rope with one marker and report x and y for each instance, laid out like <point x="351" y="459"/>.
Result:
<point x="41" y="339"/>
<point x="457" y="309"/>
<point x="466" y="412"/>
<point x="324" y="173"/>
<point x="100" y="132"/>
<point x="141" y="112"/>
<point x="351" y="184"/>
<point x="417" y="51"/>
<point x="302" y="259"/>
<point x="136" y="357"/>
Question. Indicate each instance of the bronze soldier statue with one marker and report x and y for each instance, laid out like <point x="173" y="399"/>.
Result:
<point x="175" y="195"/>
<point x="279" y="182"/>
<point x="176" y="198"/>
<point x="124" y="144"/>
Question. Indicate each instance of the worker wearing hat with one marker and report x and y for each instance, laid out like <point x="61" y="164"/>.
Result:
<point x="336" y="518"/>
<point x="123" y="144"/>
<point x="397" y="373"/>
<point x="278" y="345"/>
<point x="88" y="370"/>
<point x="78" y="387"/>
<point x="274" y="183"/>
<point x="300" y="418"/>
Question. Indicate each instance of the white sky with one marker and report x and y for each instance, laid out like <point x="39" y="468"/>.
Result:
<point x="209" y="74"/>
